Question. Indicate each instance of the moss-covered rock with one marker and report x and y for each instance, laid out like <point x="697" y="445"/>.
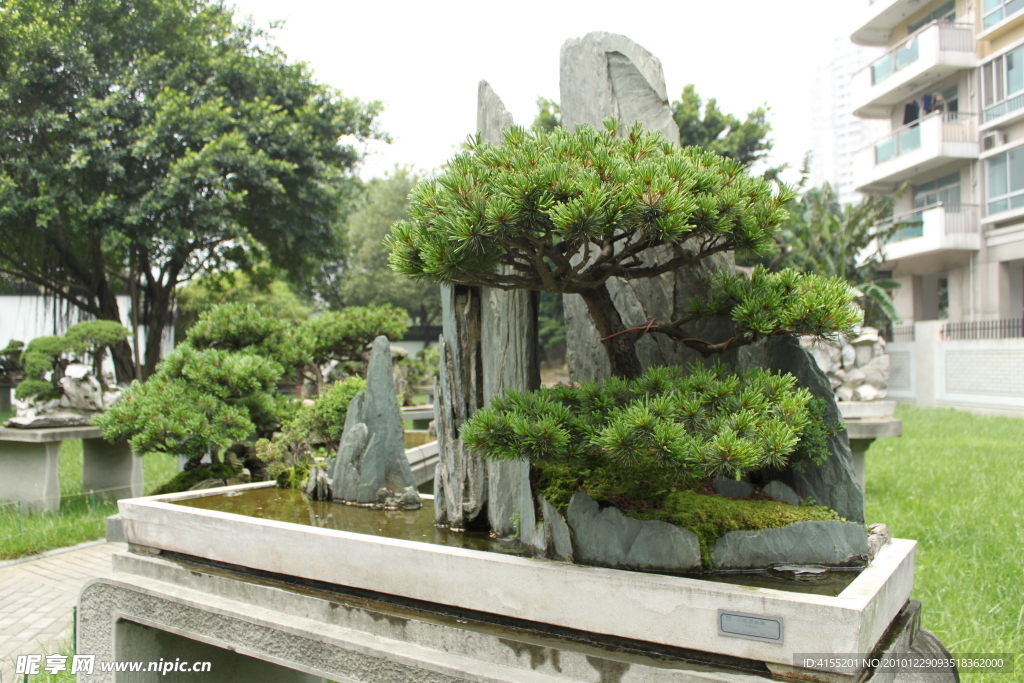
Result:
<point x="645" y="491"/>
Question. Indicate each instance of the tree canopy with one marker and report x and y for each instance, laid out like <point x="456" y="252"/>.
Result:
<point x="564" y="212"/>
<point x="703" y="124"/>
<point x="366" y="279"/>
<point x="147" y="141"/>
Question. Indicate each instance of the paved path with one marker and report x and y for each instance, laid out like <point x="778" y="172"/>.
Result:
<point x="37" y="596"/>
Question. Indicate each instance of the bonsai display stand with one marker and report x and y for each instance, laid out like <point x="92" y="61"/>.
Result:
<point x="307" y="603"/>
<point x="29" y="460"/>
<point x="865" y="422"/>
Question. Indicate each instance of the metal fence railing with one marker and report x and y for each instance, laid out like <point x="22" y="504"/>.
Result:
<point x="898" y="333"/>
<point x="983" y="329"/>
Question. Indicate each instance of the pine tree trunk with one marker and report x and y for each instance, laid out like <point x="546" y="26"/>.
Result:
<point x="621" y="348"/>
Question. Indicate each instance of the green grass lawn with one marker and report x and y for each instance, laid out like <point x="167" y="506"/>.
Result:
<point x="954" y="482"/>
<point x="81" y="516"/>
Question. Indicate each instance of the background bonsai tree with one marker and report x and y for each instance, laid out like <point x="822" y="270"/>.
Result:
<point x="343" y="336"/>
<point x="10" y="362"/>
<point x="219" y="386"/>
<point x="45" y="358"/>
<point x="564" y="212"/>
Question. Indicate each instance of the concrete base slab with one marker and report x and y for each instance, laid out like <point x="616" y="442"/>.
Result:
<point x="30" y="475"/>
<point x="111" y="470"/>
<point x="173" y="608"/>
<point x="616" y="603"/>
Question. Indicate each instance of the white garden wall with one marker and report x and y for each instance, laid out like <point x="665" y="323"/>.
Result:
<point x="981" y="375"/>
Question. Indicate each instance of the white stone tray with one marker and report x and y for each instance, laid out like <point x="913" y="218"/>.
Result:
<point x="680" y="612"/>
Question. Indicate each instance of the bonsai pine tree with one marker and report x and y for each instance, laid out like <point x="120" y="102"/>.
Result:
<point x="344" y="335"/>
<point x="219" y="385"/>
<point x="564" y="212"/>
<point x="693" y="423"/>
<point x="52" y="354"/>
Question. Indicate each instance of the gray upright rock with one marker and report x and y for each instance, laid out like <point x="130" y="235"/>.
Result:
<point x="371" y="456"/>
<point x="608" y="75"/>
<point x="460" y="482"/>
<point x="508" y="346"/>
<point x="834" y="483"/>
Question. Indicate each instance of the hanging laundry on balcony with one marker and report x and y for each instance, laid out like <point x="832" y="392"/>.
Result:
<point x="911" y="112"/>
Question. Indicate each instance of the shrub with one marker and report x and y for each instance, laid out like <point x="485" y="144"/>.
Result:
<point x="691" y="425"/>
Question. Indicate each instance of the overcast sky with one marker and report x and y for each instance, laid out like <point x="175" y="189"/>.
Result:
<point x="424" y="59"/>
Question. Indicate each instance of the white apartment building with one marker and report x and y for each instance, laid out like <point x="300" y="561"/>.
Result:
<point x="950" y="84"/>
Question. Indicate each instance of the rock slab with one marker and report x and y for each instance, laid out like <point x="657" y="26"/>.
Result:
<point x="607" y="538"/>
<point x="834" y="483"/>
<point x="776" y="490"/>
<point x="831" y="543"/>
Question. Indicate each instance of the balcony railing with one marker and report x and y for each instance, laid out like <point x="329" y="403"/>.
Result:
<point x="984" y="329"/>
<point x="958" y="219"/>
<point x="899" y="333"/>
<point x="956" y="127"/>
<point x="952" y="37"/>
<point x="1005" y="107"/>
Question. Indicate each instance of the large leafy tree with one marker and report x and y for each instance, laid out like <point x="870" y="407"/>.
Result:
<point x="703" y="124"/>
<point x="366" y="279"/>
<point x="147" y="141"/>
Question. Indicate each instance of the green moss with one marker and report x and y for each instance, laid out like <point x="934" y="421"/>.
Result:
<point x="713" y="516"/>
<point x="183" y="481"/>
<point x="644" y="490"/>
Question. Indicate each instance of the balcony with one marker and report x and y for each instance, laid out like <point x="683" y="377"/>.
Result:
<point x="933" y="236"/>
<point x="879" y="18"/>
<point x="928" y="56"/>
<point x="936" y="140"/>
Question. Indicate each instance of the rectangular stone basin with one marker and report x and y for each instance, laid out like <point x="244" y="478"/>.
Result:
<point x="760" y="624"/>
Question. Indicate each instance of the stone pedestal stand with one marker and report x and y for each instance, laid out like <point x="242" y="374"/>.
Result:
<point x="865" y="422"/>
<point x="29" y="461"/>
<point x="252" y="626"/>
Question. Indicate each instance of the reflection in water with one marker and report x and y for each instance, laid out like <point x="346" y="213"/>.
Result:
<point x="290" y="505"/>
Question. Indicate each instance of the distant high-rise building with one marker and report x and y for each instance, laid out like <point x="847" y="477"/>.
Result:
<point x="837" y="134"/>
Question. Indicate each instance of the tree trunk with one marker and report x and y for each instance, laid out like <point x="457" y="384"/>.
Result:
<point x="120" y="353"/>
<point x="158" y="319"/>
<point x="621" y="348"/>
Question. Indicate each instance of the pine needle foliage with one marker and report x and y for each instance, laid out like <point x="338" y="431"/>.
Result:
<point x="559" y="211"/>
<point x="219" y="385"/>
<point x="48" y="356"/>
<point x="542" y="198"/>
<point x="694" y="422"/>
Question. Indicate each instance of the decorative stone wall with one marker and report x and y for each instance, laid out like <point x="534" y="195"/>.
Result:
<point x="858" y="370"/>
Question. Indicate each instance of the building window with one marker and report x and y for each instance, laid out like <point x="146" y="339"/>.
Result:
<point x="1003" y="84"/>
<point x="945" y="190"/>
<point x="1006" y="181"/>
<point x="946" y="12"/>
<point x="994" y="11"/>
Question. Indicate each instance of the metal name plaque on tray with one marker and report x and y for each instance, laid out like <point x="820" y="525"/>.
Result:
<point x="753" y="626"/>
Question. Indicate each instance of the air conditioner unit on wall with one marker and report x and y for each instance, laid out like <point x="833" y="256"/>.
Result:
<point x="993" y="139"/>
